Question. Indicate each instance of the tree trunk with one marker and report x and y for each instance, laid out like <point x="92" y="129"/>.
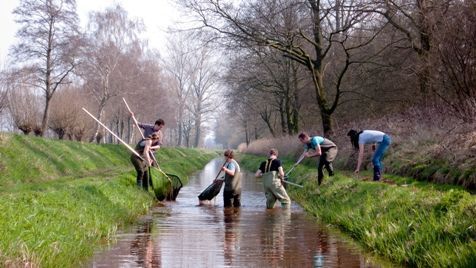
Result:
<point x="99" y="117"/>
<point x="327" y="124"/>
<point x="198" y="123"/>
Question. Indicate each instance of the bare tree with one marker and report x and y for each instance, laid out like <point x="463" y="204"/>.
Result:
<point x="310" y="34"/>
<point x="4" y="87"/>
<point x="275" y="84"/>
<point x="454" y="79"/>
<point x="111" y="34"/>
<point x="48" y="41"/>
<point x="66" y="112"/>
<point x="415" y="20"/>
<point x="22" y="102"/>
<point x="204" y="90"/>
<point x="177" y="65"/>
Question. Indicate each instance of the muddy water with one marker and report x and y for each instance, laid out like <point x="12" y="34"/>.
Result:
<point x="184" y="234"/>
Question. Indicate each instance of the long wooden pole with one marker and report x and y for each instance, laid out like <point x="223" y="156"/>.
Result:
<point x="292" y="183"/>
<point x="112" y="133"/>
<point x="295" y="164"/>
<point x="133" y="118"/>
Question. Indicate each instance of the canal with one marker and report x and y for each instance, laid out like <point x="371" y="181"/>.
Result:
<point x="186" y="234"/>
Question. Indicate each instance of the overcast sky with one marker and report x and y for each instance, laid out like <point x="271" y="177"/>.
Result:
<point x="157" y="16"/>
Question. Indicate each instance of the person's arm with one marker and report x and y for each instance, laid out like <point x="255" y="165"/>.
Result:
<point x="281" y="172"/>
<point x="230" y="172"/>
<point x="155" y="147"/>
<point x="316" y="152"/>
<point x="146" y="153"/>
<point x="360" y="157"/>
<point x="159" y="143"/>
<point x="258" y="173"/>
<point x="302" y="156"/>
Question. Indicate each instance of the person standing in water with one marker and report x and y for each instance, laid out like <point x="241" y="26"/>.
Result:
<point x="380" y="143"/>
<point x="273" y="174"/>
<point x="232" y="191"/>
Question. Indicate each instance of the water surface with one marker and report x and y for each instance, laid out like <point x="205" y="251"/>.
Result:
<point x="184" y="234"/>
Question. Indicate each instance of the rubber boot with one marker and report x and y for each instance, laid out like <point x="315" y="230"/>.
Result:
<point x="145" y="181"/>
<point x="330" y="169"/>
<point x="150" y="180"/>
<point x="319" y="179"/>
<point x="377" y="174"/>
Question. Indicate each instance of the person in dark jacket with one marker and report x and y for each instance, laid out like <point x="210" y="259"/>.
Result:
<point x="142" y="163"/>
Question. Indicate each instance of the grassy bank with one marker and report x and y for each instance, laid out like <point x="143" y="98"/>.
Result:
<point x="60" y="200"/>
<point x="422" y="224"/>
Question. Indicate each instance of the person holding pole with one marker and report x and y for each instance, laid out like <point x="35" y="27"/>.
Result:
<point x="149" y="129"/>
<point x="273" y="175"/>
<point x="322" y="147"/>
<point x="232" y="191"/>
<point x="142" y="160"/>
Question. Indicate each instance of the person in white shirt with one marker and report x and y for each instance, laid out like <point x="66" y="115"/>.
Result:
<point x="380" y="143"/>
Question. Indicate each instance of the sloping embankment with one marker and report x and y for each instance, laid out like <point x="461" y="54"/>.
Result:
<point x="59" y="200"/>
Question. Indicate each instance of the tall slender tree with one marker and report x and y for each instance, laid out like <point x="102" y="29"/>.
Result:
<point x="110" y="37"/>
<point x="48" y="41"/>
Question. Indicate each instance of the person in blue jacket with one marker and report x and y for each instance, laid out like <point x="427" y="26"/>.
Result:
<point x="380" y="143"/>
<point x="322" y="147"/>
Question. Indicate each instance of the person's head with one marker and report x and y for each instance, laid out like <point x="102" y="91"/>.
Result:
<point x="354" y="137"/>
<point x="273" y="153"/>
<point x="159" y="124"/>
<point x="304" y="137"/>
<point x="154" y="136"/>
<point x="228" y="154"/>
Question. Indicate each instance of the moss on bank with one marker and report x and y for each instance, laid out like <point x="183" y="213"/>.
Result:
<point x="60" y="199"/>
<point x="422" y="224"/>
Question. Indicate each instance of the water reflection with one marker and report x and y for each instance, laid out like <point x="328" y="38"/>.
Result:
<point x="232" y="234"/>
<point x="185" y="234"/>
<point x="143" y="247"/>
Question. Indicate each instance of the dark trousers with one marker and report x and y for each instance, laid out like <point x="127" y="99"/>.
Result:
<point x="142" y="170"/>
<point x="325" y="161"/>
<point x="231" y="198"/>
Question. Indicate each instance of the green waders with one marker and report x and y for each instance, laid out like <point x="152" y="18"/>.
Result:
<point x="274" y="190"/>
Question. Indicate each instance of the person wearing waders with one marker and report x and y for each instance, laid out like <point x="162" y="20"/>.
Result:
<point x="156" y="128"/>
<point x="322" y="147"/>
<point x="143" y="148"/>
<point x="232" y="191"/>
<point x="272" y="172"/>
<point x="149" y="129"/>
<point x="374" y="137"/>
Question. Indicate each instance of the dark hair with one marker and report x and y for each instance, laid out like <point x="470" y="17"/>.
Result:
<point x="273" y="151"/>
<point x="228" y="153"/>
<point x="302" y="135"/>
<point x="160" y="122"/>
<point x="354" y="137"/>
<point x="153" y="136"/>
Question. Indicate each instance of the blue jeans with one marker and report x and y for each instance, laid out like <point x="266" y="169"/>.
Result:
<point x="380" y="151"/>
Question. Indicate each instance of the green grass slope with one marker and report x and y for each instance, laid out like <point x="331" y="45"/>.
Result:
<point x="61" y="200"/>
<point x="418" y="225"/>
